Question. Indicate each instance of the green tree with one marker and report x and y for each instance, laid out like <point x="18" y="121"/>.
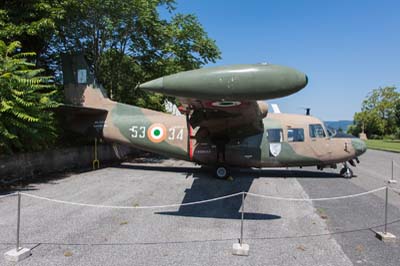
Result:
<point x="25" y="124"/>
<point x="128" y="42"/>
<point x="378" y="113"/>
<point x="31" y="22"/>
<point x="397" y="113"/>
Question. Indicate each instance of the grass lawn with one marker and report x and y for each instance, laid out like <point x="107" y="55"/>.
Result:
<point x="385" y="145"/>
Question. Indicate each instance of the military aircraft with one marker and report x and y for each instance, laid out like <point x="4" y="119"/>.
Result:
<point x="226" y="122"/>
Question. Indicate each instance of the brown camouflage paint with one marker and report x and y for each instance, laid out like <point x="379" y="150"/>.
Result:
<point x="246" y="125"/>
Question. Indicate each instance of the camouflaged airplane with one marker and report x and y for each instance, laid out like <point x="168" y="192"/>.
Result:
<point x="225" y="123"/>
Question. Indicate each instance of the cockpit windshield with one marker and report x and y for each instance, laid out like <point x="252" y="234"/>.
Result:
<point x="331" y="132"/>
<point x="317" y="131"/>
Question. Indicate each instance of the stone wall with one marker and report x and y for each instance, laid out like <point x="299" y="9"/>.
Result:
<point x="19" y="166"/>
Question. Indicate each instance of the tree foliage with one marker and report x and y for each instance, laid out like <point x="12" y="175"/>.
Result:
<point x="24" y="95"/>
<point x="379" y="113"/>
<point x="32" y="23"/>
<point x="127" y="41"/>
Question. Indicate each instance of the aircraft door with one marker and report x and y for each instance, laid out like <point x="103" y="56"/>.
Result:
<point x="319" y="142"/>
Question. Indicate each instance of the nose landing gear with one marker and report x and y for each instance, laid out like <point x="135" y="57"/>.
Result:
<point x="346" y="172"/>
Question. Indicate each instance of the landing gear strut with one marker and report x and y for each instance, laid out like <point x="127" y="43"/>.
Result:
<point x="346" y="172"/>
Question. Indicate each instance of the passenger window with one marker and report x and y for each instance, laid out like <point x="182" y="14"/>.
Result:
<point x="295" y="134"/>
<point x="317" y="131"/>
<point x="275" y="135"/>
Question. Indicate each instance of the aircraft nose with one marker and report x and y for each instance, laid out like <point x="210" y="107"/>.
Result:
<point x="359" y="146"/>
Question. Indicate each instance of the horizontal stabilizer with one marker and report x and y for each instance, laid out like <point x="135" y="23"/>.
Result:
<point x="83" y="120"/>
<point x="79" y="110"/>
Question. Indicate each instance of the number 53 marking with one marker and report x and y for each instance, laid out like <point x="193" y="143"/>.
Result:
<point x="138" y="132"/>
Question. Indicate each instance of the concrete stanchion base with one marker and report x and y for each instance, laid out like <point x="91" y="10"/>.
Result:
<point x="386" y="237"/>
<point x="240" y="250"/>
<point x="392" y="181"/>
<point x="15" y="256"/>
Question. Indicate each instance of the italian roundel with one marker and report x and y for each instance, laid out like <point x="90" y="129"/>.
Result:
<point x="157" y="133"/>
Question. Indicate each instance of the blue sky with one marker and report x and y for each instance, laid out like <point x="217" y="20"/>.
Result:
<point x="347" y="48"/>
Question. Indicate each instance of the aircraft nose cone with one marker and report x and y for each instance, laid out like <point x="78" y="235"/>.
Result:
<point x="359" y="146"/>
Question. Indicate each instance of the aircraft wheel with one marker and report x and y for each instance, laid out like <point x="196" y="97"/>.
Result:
<point x="346" y="172"/>
<point x="221" y="172"/>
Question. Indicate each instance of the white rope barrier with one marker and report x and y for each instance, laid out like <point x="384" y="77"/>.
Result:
<point x="133" y="207"/>
<point x="394" y="189"/>
<point x="8" y="195"/>
<point x="201" y="201"/>
<point x="316" y="199"/>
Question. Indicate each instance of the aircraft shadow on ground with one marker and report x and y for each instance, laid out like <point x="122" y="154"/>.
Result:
<point x="205" y="186"/>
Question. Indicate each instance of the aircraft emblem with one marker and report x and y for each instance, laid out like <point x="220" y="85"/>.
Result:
<point x="157" y="133"/>
<point x="275" y="149"/>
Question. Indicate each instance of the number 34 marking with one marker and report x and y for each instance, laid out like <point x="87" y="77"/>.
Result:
<point x="175" y="133"/>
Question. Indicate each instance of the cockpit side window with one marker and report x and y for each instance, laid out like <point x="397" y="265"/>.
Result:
<point x="295" y="134"/>
<point x="317" y="131"/>
<point x="275" y="135"/>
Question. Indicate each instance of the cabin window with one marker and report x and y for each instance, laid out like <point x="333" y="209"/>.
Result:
<point x="295" y="134"/>
<point x="317" y="131"/>
<point x="275" y="135"/>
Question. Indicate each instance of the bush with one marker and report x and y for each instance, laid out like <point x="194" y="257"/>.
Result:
<point x="25" y="96"/>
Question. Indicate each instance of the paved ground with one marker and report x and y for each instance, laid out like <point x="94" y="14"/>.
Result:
<point x="279" y="232"/>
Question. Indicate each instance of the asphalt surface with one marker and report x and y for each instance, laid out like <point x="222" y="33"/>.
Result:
<point x="338" y="232"/>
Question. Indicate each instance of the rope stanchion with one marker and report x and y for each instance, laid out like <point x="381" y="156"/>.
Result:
<point x="134" y="207"/>
<point x="316" y="199"/>
<point x="8" y="195"/>
<point x="18" y="253"/>
<point x="238" y="248"/>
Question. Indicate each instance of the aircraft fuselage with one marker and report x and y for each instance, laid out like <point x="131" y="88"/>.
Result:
<point x="287" y="140"/>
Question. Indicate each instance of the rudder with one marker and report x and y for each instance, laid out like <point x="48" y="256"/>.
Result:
<point x="80" y="86"/>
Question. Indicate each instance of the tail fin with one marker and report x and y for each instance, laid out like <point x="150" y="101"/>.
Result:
<point x="80" y="86"/>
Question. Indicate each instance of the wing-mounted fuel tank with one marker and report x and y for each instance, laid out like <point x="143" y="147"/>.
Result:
<point x="231" y="83"/>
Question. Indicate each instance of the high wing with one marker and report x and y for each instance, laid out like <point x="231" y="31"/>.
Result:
<point x="225" y="100"/>
<point x="230" y="118"/>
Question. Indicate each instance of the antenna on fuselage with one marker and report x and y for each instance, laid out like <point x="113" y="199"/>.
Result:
<point x="307" y="109"/>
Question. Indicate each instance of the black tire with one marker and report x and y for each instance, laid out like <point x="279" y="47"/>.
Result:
<point x="221" y="172"/>
<point x="346" y="172"/>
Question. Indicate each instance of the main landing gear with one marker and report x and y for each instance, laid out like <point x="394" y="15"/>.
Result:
<point x="221" y="172"/>
<point x="346" y="172"/>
